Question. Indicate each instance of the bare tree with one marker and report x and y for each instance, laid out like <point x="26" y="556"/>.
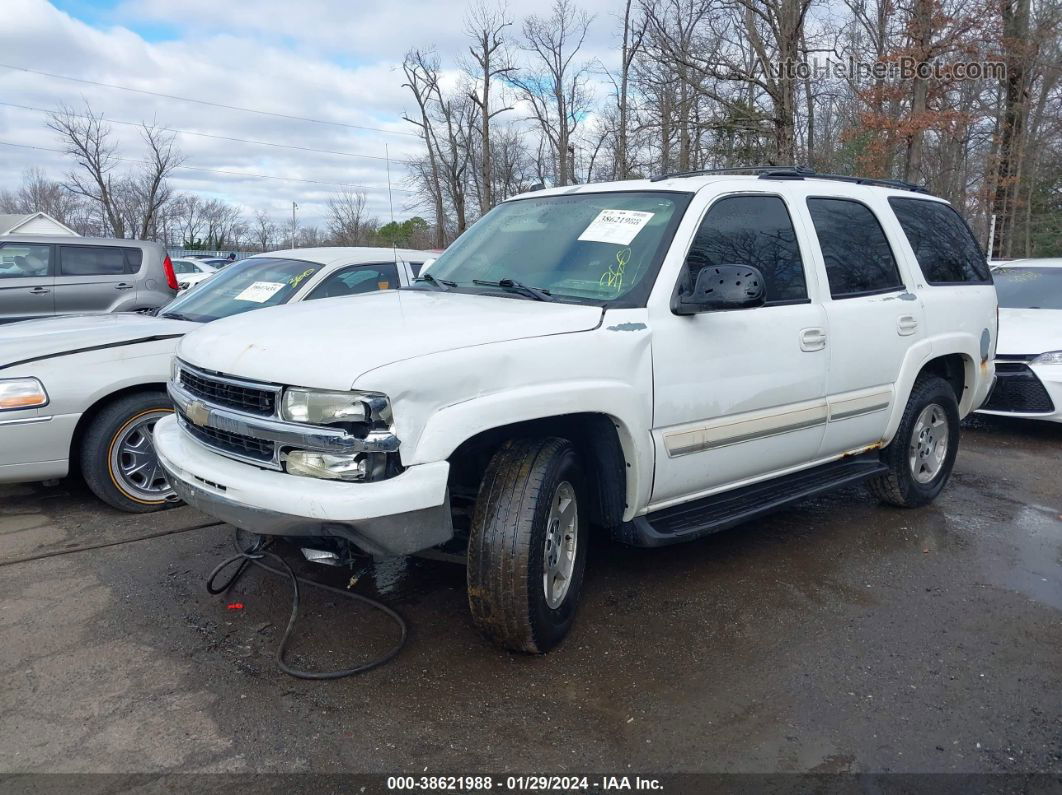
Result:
<point x="486" y="27"/>
<point x="263" y="231"/>
<point x="422" y="79"/>
<point x="348" y="222"/>
<point x="89" y="140"/>
<point x="150" y="186"/>
<point x="556" y="86"/>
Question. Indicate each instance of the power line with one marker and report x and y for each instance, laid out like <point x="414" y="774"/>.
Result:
<point x="205" y="102"/>
<point x="217" y="171"/>
<point x="204" y="135"/>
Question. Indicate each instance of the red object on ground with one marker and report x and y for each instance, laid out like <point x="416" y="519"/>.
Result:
<point x="236" y="606"/>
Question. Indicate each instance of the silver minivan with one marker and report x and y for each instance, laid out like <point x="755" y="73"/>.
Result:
<point x="42" y="275"/>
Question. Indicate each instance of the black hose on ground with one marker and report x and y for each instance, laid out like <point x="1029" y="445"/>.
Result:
<point x="253" y="557"/>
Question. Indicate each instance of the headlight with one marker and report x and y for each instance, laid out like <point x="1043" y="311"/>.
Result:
<point x="327" y="465"/>
<point x="22" y="393"/>
<point x="1053" y="357"/>
<point x="327" y="408"/>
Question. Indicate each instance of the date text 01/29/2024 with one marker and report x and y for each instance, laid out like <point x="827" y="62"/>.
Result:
<point x="522" y="783"/>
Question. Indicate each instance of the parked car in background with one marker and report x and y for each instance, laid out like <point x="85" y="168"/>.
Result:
<point x="84" y="392"/>
<point x="1029" y="352"/>
<point x="192" y="271"/>
<point x="60" y="275"/>
<point x="658" y="358"/>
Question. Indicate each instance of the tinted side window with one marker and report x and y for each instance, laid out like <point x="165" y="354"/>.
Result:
<point x="942" y="243"/>
<point x="751" y="230"/>
<point x="23" y="260"/>
<point x="133" y="258"/>
<point x="857" y="253"/>
<point x="359" y="279"/>
<point x="91" y="260"/>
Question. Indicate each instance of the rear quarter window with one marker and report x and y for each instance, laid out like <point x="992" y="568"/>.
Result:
<point x="945" y="248"/>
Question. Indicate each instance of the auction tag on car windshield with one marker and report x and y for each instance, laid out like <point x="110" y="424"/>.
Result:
<point x="616" y="226"/>
<point x="260" y="292"/>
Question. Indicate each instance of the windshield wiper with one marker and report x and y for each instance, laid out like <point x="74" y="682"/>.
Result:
<point x="438" y="284"/>
<point x="177" y="316"/>
<point x="516" y="287"/>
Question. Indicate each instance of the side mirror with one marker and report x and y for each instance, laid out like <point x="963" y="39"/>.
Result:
<point x="721" y="288"/>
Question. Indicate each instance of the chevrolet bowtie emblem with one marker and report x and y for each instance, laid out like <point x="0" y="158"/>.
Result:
<point x="198" y="413"/>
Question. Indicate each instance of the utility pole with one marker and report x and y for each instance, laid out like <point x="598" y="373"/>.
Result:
<point x="294" y="207"/>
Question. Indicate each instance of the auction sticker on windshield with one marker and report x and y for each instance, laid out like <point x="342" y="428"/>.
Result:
<point x="616" y="226"/>
<point x="260" y="292"/>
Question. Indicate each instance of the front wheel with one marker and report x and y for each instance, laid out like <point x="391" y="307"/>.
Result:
<point x="527" y="545"/>
<point x="118" y="459"/>
<point x="921" y="455"/>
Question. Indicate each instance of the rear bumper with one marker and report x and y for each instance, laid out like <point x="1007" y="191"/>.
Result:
<point x="398" y="516"/>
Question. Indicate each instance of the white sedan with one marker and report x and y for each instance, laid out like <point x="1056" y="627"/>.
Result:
<point x="191" y="272"/>
<point x="1029" y="350"/>
<point x="84" y="391"/>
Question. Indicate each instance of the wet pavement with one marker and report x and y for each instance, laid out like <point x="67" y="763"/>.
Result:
<point x="839" y="635"/>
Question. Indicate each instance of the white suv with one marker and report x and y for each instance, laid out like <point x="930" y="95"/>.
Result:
<point x="659" y="359"/>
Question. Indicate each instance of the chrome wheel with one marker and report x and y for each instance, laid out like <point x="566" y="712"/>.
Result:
<point x="929" y="443"/>
<point x="562" y="536"/>
<point x="134" y="464"/>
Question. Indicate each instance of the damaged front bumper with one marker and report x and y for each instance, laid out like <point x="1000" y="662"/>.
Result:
<point x="398" y="516"/>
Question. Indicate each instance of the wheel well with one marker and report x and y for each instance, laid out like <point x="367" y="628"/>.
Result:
<point x="596" y="438"/>
<point x="85" y="421"/>
<point x="952" y="368"/>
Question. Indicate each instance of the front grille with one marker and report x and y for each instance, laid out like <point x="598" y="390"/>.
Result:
<point x="1018" y="390"/>
<point x="221" y="393"/>
<point x="232" y="443"/>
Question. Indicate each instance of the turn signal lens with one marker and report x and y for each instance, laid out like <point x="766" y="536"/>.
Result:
<point x="22" y="393"/>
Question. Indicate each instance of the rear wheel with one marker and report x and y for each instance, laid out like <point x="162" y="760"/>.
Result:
<point x="118" y="459"/>
<point x="921" y="455"/>
<point x="527" y="546"/>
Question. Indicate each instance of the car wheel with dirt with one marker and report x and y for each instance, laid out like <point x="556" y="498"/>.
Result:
<point x="527" y="545"/>
<point x="921" y="455"/>
<point x="118" y="459"/>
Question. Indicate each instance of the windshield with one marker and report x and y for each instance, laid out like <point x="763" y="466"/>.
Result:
<point x="250" y="284"/>
<point x="1029" y="288"/>
<point x="589" y="248"/>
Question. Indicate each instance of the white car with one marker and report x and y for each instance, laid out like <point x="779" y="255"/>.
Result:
<point x="83" y="392"/>
<point x="661" y="359"/>
<point x="1029" y="352"/>
<point x="191" y="272"/>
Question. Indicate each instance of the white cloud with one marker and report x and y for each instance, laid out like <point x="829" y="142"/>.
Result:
<point x="324" y="59"/>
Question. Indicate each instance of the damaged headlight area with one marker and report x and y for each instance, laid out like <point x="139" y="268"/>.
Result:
<point x="22" y="393"/>
<point x="366" y="415"/>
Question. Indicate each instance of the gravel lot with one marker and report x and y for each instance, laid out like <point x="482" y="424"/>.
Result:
<point x="838" y="636"/>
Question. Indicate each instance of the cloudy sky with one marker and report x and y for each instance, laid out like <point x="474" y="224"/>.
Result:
<point x="336" y="61"/>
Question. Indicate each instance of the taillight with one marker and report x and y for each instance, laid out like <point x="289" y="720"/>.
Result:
<point x="171" y="277"/>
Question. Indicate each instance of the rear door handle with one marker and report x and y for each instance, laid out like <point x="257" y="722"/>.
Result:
<point x="906" y="325"/>
<point x="123" y="286"/>
<point x="39" y="291"/>
<point x="812" y="339"/>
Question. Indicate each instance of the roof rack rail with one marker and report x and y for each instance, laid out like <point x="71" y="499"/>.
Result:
<point x="795" y="172"/>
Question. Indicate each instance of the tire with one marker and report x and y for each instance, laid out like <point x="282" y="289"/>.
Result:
<point x="507" y="550"/>
<point x="913" y="483"/>
<point x="104" y="454"/>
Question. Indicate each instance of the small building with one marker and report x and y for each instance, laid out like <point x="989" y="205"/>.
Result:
<point x="33" y="224"/>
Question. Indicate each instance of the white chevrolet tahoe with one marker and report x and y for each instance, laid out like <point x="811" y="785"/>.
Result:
<point x="660" y="359"/>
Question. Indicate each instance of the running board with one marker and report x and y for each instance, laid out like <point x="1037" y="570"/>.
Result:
<point x="721" y="511"/>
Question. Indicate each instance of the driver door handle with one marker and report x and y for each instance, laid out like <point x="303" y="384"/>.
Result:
<point x="39" y="291"/>
<point x="812" y="339"/>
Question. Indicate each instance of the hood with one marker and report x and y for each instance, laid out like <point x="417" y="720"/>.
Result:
<point x="328" y="344"/>
<point x="35" y="339"/>
<point x="1029" y="331"/>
